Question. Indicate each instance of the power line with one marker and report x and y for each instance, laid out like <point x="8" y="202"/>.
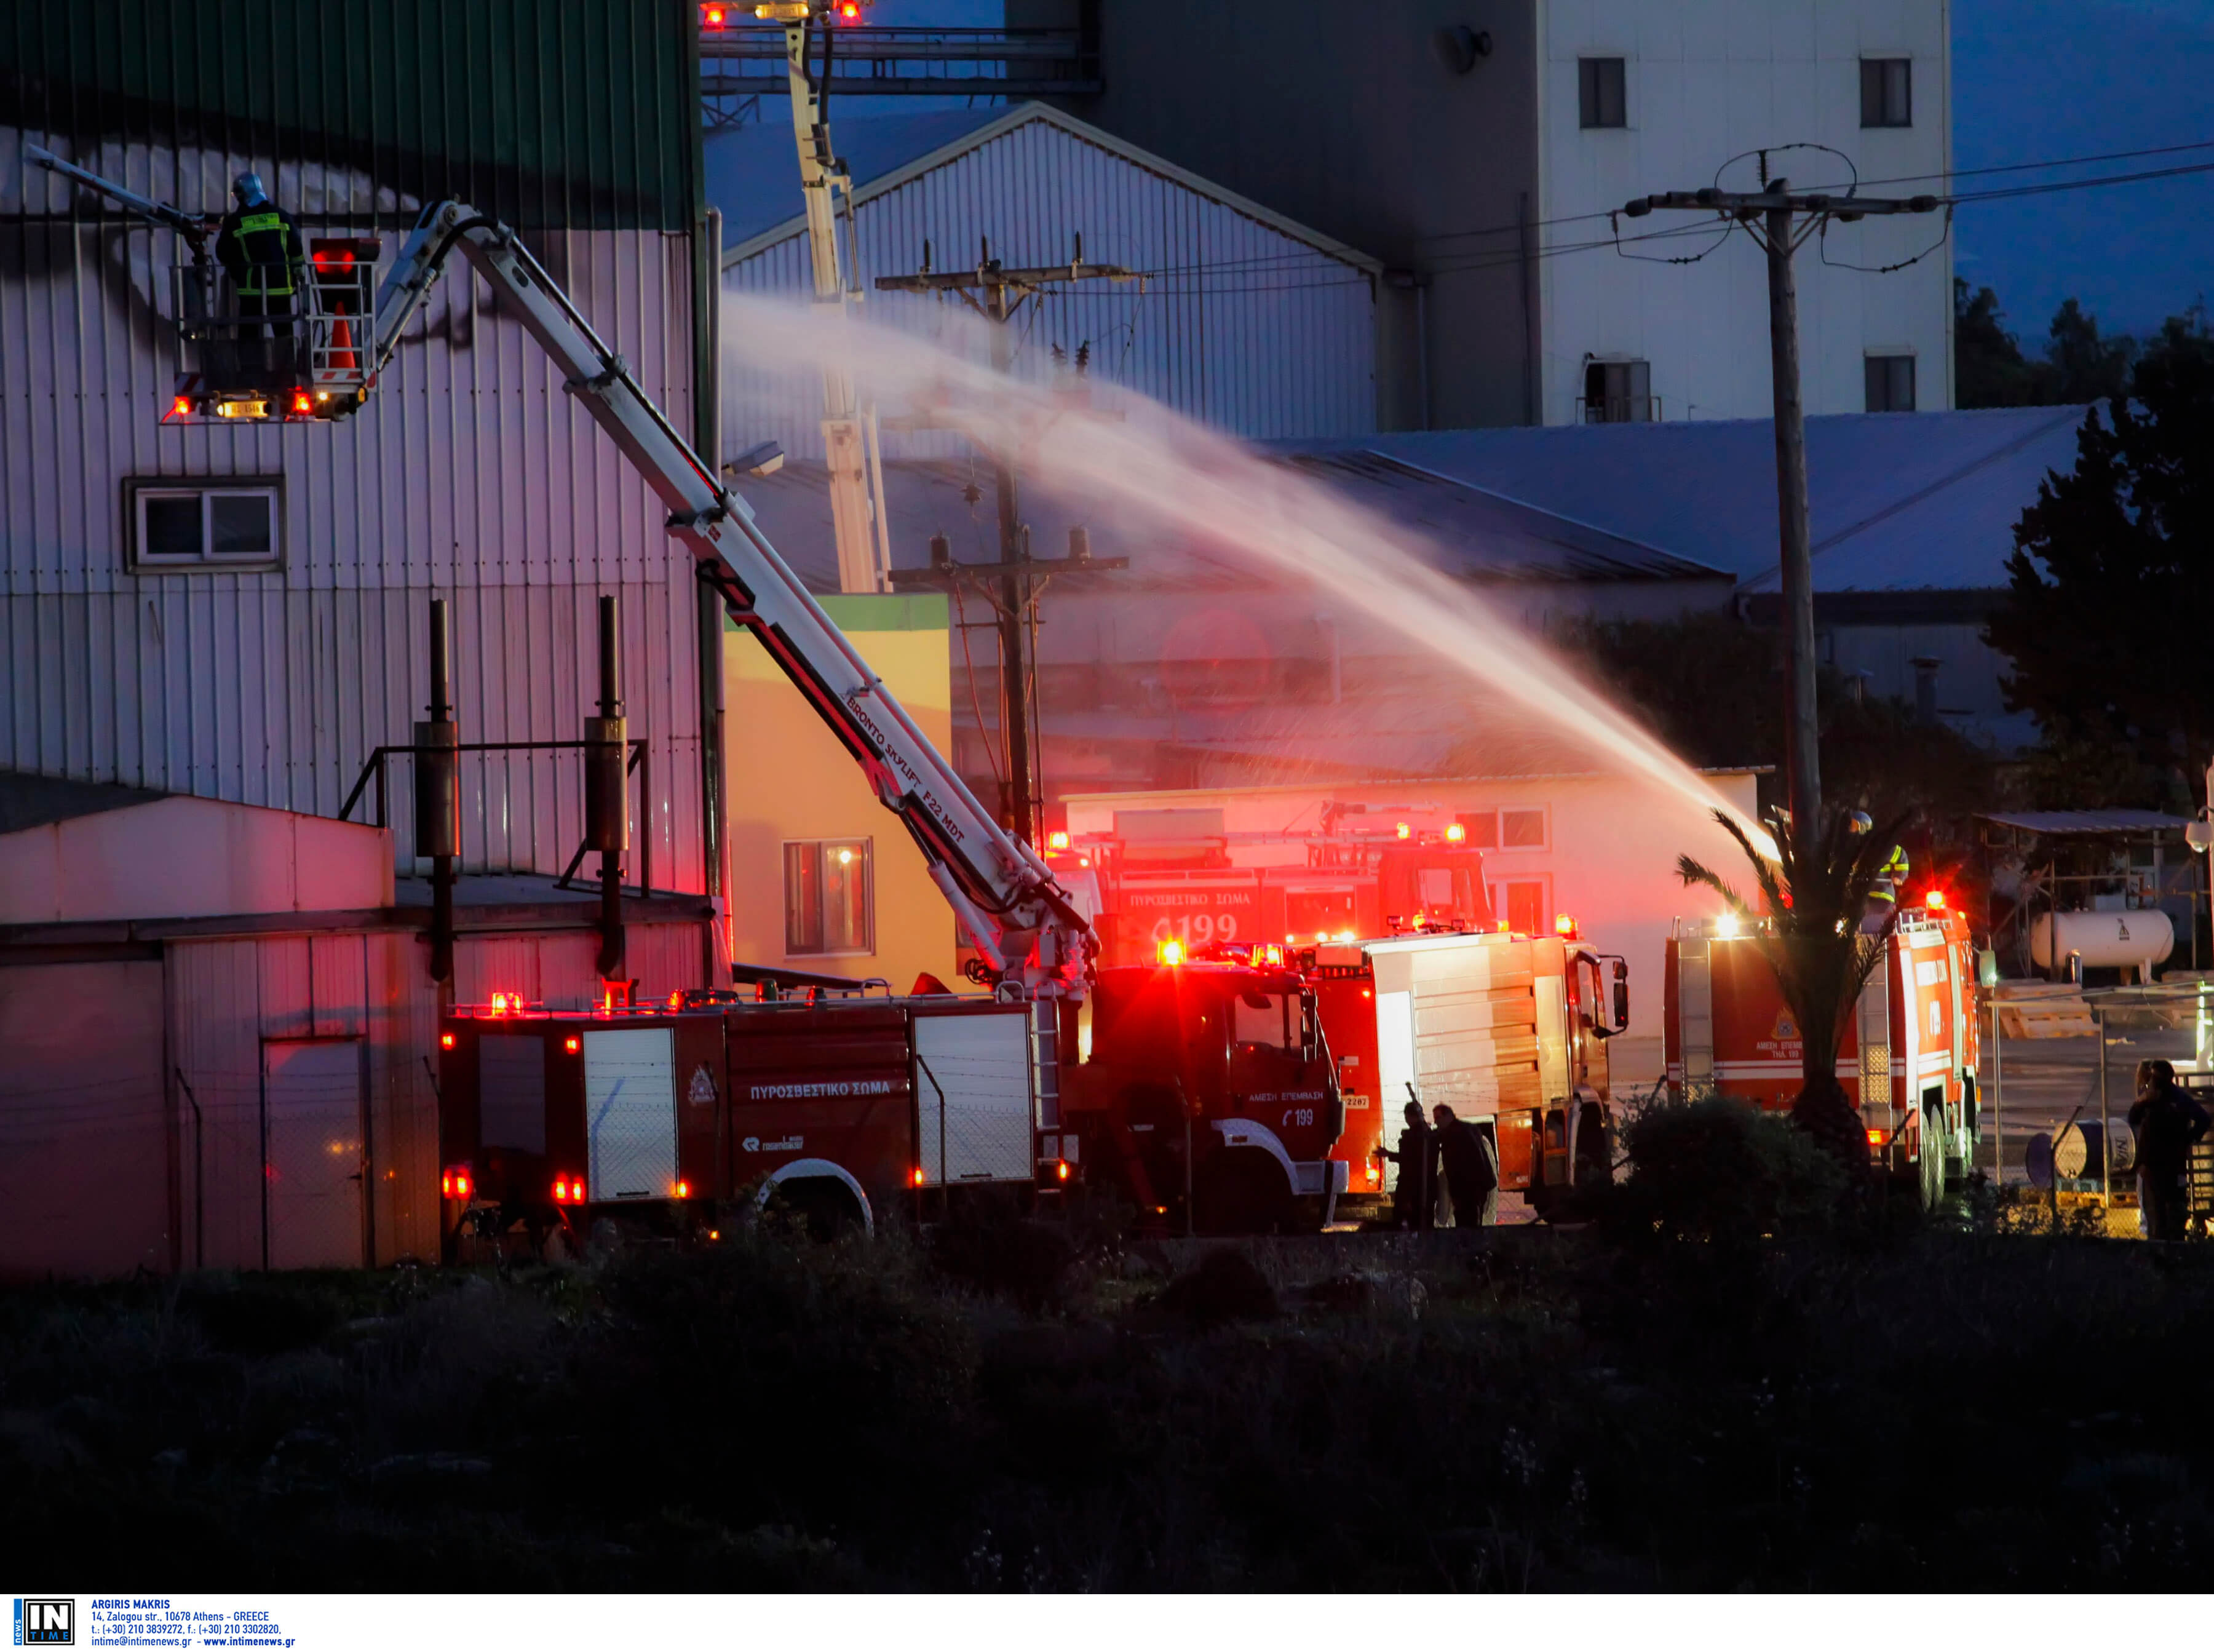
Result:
<point x="1922" y="177"/>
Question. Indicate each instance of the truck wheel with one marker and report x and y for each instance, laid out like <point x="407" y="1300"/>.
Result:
<point x="1930" y="1183"/>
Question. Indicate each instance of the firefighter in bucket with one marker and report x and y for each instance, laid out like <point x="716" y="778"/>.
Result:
<point x="259" y="247"/>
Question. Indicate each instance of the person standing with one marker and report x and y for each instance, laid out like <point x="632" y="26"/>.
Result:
<point x="1471" y="1169"/>
<point x="2168" y="1122"/>
<point x="1414" y="1195"/>
<point x="259" y="247"/>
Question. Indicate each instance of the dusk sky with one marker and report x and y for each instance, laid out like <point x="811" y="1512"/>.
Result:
<point x="2032" y="80"/>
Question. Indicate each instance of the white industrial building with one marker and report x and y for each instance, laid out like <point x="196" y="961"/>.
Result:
<point x="1241" y="318"/>
<point x="1702" y="82"/>
<point x="1478" y="150"/>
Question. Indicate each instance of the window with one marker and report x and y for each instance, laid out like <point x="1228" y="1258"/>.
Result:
<point x="1887" y="91"/>
<point x="1890" y="383"/>
<point x="1522" y="828"/>
<point x="1482" y="830"/>
<point x="1600" y="93"/>
<point x="1264" y="1020"/>
<point x="232" y="524"/>
<point x="827" y="897"/>
<point x="1618" y="392"/>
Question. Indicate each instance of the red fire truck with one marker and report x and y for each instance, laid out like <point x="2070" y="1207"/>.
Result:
<point x="1908" y="1059"/>
<point x="1209" y="1096"/>
<point x="1176" y="875"/>
<point x="666" y="1114"/>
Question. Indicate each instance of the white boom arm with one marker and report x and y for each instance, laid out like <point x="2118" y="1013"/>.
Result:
<point x="1002" y="894"/>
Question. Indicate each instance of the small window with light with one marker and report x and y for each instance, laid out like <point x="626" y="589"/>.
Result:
<point x="827" y="897"/>
<point x="172" y="526"/>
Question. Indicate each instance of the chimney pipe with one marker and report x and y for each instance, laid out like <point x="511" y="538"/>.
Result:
<point x="438" y="792"/>
<point x="607" y="790"/>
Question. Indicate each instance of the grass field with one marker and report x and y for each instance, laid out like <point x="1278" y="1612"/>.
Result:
<point x="1883" y="1405"/>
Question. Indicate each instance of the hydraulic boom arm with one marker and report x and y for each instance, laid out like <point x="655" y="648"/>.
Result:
<point x="1002" y="895"/>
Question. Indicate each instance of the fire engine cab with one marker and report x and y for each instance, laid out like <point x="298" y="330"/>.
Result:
<point x="1908" y="1058"/>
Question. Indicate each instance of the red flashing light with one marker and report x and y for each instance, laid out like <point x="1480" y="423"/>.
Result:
<point x="445" y="1040"/>
<point x="1564" y="927"/>
<point x="454" y="1181"/>
<point x="1875" y="1138"/>
<point x="572" y="1044"/>
<point x="1456" y="833"/>
<point x="711" y="17"/>
<point x="181" y="408"/>
<point x="849" y="10"/>
<point x="1171" y="952"/>
<point x="1061" y="1170"/>
<point x="568" y="1189"/>
<point x="1934" y="900"/>
<point x="303" y="403"/>
<point x="1404" y="830"/>
<point x="1057" y="840"/>
<point x="917" y="1177"/>
<point x="684" y="1190"/>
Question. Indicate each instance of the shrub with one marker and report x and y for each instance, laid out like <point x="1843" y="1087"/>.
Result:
<point x="1224" y="1287"/>
<point x="1723" y="1171"/>
<point x="995" y="1248"/>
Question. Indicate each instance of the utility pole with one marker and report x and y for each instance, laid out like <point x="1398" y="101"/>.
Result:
<point x="1013" y="585"/>
<point x="1779" y="222"/>
<point x="850" y="449"/>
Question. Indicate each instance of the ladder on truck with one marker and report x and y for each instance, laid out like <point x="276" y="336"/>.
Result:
<point x="1028" y="934"/>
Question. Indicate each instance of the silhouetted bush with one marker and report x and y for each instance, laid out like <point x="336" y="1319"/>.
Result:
<point x="994" y="1247"/>
<point x="1226" y="1286"/>
<point x="1721" y="1171"/>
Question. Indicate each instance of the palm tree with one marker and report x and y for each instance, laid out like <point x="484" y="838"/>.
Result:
<point x="1816" y="897"/>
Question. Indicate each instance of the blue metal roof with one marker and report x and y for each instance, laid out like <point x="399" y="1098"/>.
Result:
<point x="753" y="172"/>
<point x="1899" y="501"/>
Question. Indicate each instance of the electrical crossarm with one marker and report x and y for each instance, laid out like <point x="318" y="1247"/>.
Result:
<point x="1006" y="899"/>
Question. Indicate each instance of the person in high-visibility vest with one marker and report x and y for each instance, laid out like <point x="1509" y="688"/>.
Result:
<point x="259" y="246"/>
<point x="1890" y="878"/>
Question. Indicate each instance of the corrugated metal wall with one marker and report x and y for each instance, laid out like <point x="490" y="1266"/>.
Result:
<point x="226" y="999"/>
<point x="469" y="475"/>
<point x="559" y="969"/>
<point x="1240" y="325"/>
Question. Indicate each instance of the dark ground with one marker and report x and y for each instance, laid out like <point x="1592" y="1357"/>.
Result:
<point x="1883" y="1405"/>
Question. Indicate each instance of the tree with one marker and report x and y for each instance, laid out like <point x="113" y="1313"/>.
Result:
<point x="2111" y="585"/>
<point x="2079" y="365"/>
<point x="1988" y="369"/>
<point x="1815" y="894"/>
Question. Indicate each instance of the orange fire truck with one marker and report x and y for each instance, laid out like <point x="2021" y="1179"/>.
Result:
<point x="1908" y="1060"/>
<point x="1509" y="1031"/>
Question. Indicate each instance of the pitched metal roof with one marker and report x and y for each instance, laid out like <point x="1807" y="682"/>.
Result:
<point x="753" y="173"/>
<point x="1484" y="534"/>
<point x="2089" y="822"/>
<point x="1899" y="501"/>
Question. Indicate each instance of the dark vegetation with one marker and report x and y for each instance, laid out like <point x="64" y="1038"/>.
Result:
<point x="2112" y="591"/>
<point x="1730" y="1378"/>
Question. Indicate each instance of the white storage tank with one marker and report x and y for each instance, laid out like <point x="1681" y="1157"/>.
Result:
<point x="2104" y="941"/>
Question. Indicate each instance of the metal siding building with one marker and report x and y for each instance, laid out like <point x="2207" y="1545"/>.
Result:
<point x="1246" y="321"/>
<point x="469" y="475"/>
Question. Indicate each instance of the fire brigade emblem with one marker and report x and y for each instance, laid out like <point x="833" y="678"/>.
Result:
<point x="702" y="1092"/>
<point x="1786" y="1028"/>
